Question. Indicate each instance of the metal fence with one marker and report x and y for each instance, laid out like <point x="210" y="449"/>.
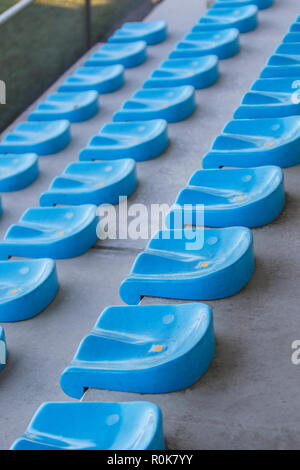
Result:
<point x="41" y="41"/>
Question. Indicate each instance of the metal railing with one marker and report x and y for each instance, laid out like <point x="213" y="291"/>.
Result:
<point x="14" y="10"/>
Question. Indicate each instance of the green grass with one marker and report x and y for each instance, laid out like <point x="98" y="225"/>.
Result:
<point x="44" y="40"/>
<point x="6" y="4"/>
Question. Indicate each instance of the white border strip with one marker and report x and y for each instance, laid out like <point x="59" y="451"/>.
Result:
<point x="14" y="10"/>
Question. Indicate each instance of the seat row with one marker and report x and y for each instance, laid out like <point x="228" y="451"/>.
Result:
<point x="266" y="126"/>
<point x="77" y="97"/>
<point x="63" y="232"/>
<point x="150" y="349"/>
<point x="48" y="128"/>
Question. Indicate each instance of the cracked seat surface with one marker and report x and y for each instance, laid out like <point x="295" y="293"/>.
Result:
<point x="143" y="349"/>
<point x="96" y="183"/>
<point x="256" y="142"/>
<point x="94" y="426"/>
<point x="141" y="140"/>
<point x="199" y="264"/>
<point x="26" y="288"/>
<point x="52" y="232"/>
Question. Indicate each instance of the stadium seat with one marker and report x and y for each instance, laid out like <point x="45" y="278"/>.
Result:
<point x="261" y="4"/>
<point x="51" y="232"/>
<point x="223" y="43"/>
<point x="247" y="197"/>
<point x="92" y="183"/>
<point x="73" y="106"/>
<point x="199" y="264"/>
<point x="269" y="98"/>
<point x="17" y="171"/>
<point x="143" y="349"/>
<point x="104" y="79"/>
<point x="243" y="18"/>
<point x="127" y="54"/>
<point x="280" y="71"/>
<point x="152" y="32"/>
<point x="141" y="140"/>
<point x="200" y="73"/>
<point x="94" y="426"/>
<point x="172" y="104"/>
<point x="26" y="288"/>
<point x="256" y="142"/>
<point x="42" y="138"/>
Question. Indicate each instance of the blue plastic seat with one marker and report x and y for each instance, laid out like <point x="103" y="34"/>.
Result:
<point x="42" y="138"/>
<point x="143" y="349"/>
<point x="172" y="104"/>
<point x="295" y="27"/>
<point x="92" y="183"/>
<point x="17" y="171"/>
<point x="269" y="97"/>
<point x="284" y="59"/>
<point x="26" y="288"/>
<point x="242" y="18"/>
<point x="52" y="232"/>
<point x="200" y="264"/>
<point x="280" y="71"/>
<point x="247" y="197"/>
<point x="75" y="107"/>
<point x="101" y="79"/>
<point x="94" y="426"/>
<point x="222" y="43"/>
<point x="200" y="73"/>
<point x="289" y="48"/>
<point x="256" y="142"/>
<point x="127" y="54"/>
<point x="3" y="351"/>
<point x="261" y="4"/>
<point x="152" y="32"/>
<point x="142" y="140"/>
<point x="292" y="37"/>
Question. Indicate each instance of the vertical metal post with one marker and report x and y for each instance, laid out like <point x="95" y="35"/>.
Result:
<point x="88" y="24"/>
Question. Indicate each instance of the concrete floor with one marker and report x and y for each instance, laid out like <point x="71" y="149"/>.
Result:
<point x="248" y="399"/>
